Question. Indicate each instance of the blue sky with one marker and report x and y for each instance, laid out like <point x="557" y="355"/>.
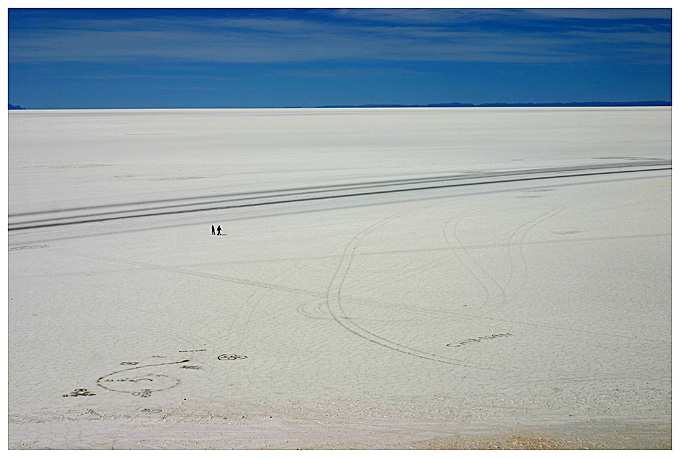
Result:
<point x="210" y="58"/>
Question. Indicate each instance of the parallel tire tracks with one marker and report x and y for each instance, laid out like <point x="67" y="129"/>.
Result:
<point x="91" y="214"/>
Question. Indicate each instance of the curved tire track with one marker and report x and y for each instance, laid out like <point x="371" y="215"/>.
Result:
<point x="494" y="292"/>
<point x="334" y="302"/>
<point x="515" y="247"/>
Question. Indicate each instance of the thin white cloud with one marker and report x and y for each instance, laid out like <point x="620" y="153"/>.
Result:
<point x="412" y="35"/>
<point x="453" y="16"/>
<point x="604" y="13"/>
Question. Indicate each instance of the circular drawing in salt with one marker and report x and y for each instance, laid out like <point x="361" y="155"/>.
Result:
<point x="139" y="382"/>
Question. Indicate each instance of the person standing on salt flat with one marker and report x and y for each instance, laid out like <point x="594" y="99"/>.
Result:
<point x="213" y="229"/>
<point x="219" y="230"/>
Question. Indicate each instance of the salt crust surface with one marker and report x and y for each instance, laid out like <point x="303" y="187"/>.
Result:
<point x="445" y="317"/>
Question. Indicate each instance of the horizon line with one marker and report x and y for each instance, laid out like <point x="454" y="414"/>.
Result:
<point x="642" y="103"/>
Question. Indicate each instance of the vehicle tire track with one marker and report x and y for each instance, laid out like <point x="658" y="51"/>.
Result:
<point x="263" y="198"/>
<point x="495" y="294"/>
<point x="334" y="302"/>
<point x="515" y="247"/>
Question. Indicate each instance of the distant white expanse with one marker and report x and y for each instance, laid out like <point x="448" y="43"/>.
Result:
<point x="386" y="278"/>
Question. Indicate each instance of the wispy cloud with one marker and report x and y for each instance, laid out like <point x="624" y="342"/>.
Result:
<point x="604" y="13"/>
<point x="337" y="35"/>
<point x="462" y="16"/>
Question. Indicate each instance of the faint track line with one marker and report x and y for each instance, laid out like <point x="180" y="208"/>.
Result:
<point x="241" y="281"/>
<point x="262" y="296"/>
<point x="444" y="313"/>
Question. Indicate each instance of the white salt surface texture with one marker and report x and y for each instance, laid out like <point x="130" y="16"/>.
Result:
<point x="385" y="278"/>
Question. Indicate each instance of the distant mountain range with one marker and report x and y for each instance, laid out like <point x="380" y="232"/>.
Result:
<point x="655" y="103"/>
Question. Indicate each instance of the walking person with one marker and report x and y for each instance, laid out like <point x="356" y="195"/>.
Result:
<point x="219" y="230"/>
<point x="213" y="229"/>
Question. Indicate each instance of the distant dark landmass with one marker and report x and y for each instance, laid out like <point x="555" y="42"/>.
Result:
<point x="654" y="103"/>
